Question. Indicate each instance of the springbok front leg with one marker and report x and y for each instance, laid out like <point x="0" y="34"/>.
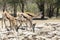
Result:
<point x="26" y="25"/>
<point x="11" y="25"/>
<point x="2" y="22"/>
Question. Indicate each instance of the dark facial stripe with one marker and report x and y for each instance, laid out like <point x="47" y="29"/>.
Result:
<point x="30" y="15"/>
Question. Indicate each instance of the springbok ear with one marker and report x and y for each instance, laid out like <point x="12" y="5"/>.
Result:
<point x="4" y="11"/>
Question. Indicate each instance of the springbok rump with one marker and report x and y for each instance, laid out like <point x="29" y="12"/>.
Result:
<point x="24" y="19"/>
<point x="27" y="18"/>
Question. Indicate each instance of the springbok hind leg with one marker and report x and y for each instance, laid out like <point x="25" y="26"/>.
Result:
<point x="20" y="24"/>
<point x="10" y="25"/>
<point x="32" y="26"/>
<point x="29" y="25"/>
<point x="26" y="25"/>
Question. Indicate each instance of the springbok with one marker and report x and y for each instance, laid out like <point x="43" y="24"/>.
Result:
<point x="11" y="19"/>
<point x="27" y="18"/>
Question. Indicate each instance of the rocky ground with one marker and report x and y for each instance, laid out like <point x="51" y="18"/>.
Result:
<point x="44" y="30"/>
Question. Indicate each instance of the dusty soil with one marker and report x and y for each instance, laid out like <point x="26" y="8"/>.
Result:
<point x="44" y="30"/>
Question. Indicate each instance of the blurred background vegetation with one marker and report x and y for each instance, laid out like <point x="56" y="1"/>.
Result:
<point x="49" y="8"/>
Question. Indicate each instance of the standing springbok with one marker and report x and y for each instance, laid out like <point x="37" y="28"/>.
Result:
<point x="24" y="19"/>
<point x="28" y="19"/>
<point x="11" y="19"/>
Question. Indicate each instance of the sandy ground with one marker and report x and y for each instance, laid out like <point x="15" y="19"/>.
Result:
<point x="44" y="30"/>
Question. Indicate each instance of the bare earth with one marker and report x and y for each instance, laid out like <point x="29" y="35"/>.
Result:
<point x="44" y="30"/>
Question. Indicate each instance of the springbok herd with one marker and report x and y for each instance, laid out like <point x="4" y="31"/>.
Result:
<point x="44" y="30"/>
<point x="16" y="22"/>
